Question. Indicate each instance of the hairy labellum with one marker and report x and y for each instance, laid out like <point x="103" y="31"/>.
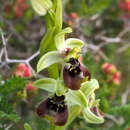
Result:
<point x="61" y="118"/>
<point x="57" y="103"/>
<point x="71" y="74"/>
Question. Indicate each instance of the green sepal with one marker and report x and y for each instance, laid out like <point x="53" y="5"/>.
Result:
<point x="60" y="38"/>
<point x="60" y="88"/>
<point x="89" y="87"/>
<point x="74" y="43"/>
<point x="91" y="117"/>
<point x="77" y="98"/>
<point x="47" y="84"/>
<point x="48" y="59"/>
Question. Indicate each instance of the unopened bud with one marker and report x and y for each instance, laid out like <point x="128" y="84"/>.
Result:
<point x="73" y="15"/>
<point x="109" y="68"/>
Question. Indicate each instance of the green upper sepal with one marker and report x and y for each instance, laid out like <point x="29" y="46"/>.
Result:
<point x="60" y="39"/>
<point x="48" y="59"/>
<point x="74" y="43"/>
<point x="60" y="88"/>
<point x="89" y="87"/>
<point x="47" y="84"/>
<point x="76" y="98"/>
<point x="71" y="43"/>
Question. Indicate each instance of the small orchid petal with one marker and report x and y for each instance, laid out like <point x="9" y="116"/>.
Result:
<point x="85" y="71"/>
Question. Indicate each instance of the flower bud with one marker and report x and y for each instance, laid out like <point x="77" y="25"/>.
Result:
<point x="31" y="90"/>
<point x="21" y="67"/>
<point x="29" y="86"/>
<point x="117" y="78"/>
<point x="128" y="5"/>
<point x="122" y="5"/>
<point x="73" y="15"/>
<point x="109" y="68"/>
<point x="27" y="73"/>
<point x="18" y="13"/>
<point x="21" y="1"/>
<point x="23" y="71"/>
<point x="7" y="8"/>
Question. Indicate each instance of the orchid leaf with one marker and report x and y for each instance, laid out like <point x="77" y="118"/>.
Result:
<point x="74" y="43"/>
<point x="91" y="117"/>
<point x="77" y="98"/>
<point x="89" y="87"/>
<point x="60" y="38"/>
<point x="47" y="84"/>
<point x="41" y="6"/>
<point x="48" y="59"/>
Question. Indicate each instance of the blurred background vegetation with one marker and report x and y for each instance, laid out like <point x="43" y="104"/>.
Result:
<point x="103" y="25"/>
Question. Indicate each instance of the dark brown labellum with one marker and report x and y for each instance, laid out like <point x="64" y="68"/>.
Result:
<point x="43" y="108"/>
<point x="61" y="117"/>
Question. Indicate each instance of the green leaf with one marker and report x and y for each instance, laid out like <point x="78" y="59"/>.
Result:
<point x="60" y="88"/>
<point x="47" y="84"/>
<point x="92" y="118"/>
<point x="27" y="126"/>
<point x="60" y="38"/>
<point x="58" y="18"/>
<point x="41" y="6"/>
<point x="48" y="59"/>
<point x="89" y="87"/>
<point x="47" y="39"/>
<point x="77" y="98"/>
<point x="74" y="43"/>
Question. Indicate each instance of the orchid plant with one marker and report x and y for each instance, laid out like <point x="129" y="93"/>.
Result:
<point x="69" y="83"/>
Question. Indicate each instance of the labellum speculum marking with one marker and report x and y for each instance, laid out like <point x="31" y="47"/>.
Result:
<point x="74" y="74"/>
<point x="56" y="105"/>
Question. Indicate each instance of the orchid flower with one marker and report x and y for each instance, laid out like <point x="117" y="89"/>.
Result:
<point x="84" y="98"/>
<point x="57" y="105"/>
<point x="66" y="103"/>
